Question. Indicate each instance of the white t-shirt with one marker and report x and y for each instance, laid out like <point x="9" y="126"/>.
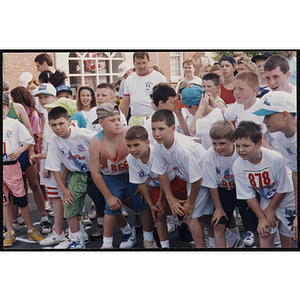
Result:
<point x="218" y="170"/>
<point x="86" y="113"/>
<point x="141" y="173"/>
<point x="288" y="149"/>
<point x="92" y="116"/>
<point x="195" y="80"/>
<point x="15" y="134"/>
<point x="139" y="88"/>
<point x="73" y="151"/>
<point x="267" y="177"/>
<point x="204" y="124"/>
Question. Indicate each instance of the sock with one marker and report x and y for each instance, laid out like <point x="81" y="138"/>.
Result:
<point x="44" y="217"/>
<point x="30" y="230"/>
<point x="100" y="220"/>
<point x="126" y="230"/>
<point x="14" y="221"/>
<point x="12" y="232"/>
<point x="235" y="231"/>
<point x="230" y="237"/>
<point x="211" y="242"/>
<point x="83" y="210"/>
<point x="108" y="241"/>
<point x="147" y="235"/>
<point x="165" y="244"/>
<point x="81" y="229"/>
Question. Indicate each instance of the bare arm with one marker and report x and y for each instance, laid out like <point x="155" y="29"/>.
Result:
<point x="125" y="105"/>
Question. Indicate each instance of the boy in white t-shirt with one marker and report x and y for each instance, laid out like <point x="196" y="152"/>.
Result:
<point x="140" y="162"/>
<point x="186" y="158"/>
<point x="204" y="115"/>
<point x="262" y="170"/>
<point x="279" y="111"/>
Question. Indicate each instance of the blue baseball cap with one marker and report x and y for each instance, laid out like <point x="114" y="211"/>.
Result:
<point x="63" y="87"/>
<point x="191" y="95"/>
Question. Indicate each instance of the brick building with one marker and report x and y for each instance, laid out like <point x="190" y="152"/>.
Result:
<point x="92" y="68"/>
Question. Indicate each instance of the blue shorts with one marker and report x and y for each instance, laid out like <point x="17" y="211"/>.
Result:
<point x="24" y="160"/>
<point x="119" y="186"/>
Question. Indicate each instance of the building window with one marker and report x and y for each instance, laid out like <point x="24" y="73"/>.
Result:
<point x="176" y="66"/>
<point x="93" y="68"/>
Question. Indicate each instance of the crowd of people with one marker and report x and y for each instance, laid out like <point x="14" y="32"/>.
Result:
<point x="190" y="158"/>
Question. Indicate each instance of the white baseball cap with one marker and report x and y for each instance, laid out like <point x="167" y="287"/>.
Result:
<point x="25" y="78"/>
<point x="123" y="68"/>
<point x="46" y="88"/>
<point x="277" y="101"/>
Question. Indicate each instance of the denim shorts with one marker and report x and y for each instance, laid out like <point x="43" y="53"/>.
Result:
<point x="120" y="187"/>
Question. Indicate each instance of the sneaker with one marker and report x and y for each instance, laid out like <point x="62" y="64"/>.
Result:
<point x="239" y="243"/>
<point x="52" y="239"/>
<point x="124" y="211"/>
<point x="85" y="219"/>
<point x="16" y="228"/>
<point x="150" y="244"/>
<point x="97" y="234"/>
<point x="105" y="246"/>
<point x="9" y="239"/>
<point x="92" y="214"/>
<point x="48" y="206"/>
<point x="183" y="233"/>
<point x="64" y="244"/>
<point x="137" y="224"/>
<point x="76" y="245"/>
<point x="46" y="227"/>
<point x="35" y="236"/>
<point x="86" y="237"/>
<point x="171" y="223"/>
<point x="249" y="239"/>
<point x="20" y="221"/>
<point x="128" y="241"/>
<point x="51" y="213"/>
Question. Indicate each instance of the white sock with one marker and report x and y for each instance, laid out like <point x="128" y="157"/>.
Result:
<point x="44" y="218"/>
<point x="147" y="235"/>
<point x="211" y="242"/>
<point x="165" y="244"/>
<point x="230" y="237"/>
<point x="127" y="229"/>
<point x="81" y="229"/>
<point x="100" y="220"/>
<point x="108" y="241"/>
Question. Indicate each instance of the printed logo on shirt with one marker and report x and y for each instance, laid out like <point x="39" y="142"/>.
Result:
<point x="141" y="174"/>
<point x="289" y="151"/>
<point x="8" y="134"/>
<point x="148" y="85"/>
<point x="75" y="159"/>
<point x="80" y="148"/>
<point x="178" y="173"/>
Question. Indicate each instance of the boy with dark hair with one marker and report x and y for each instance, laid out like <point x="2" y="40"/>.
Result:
<point x="186" y="158"/>
<point x="262" y="170"/>
<point x="220" y="180"/>
<point x="140" y="161"/>
<point x="70" y="145"/>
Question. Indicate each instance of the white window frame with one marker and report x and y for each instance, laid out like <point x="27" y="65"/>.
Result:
<point x="179" y="56"/>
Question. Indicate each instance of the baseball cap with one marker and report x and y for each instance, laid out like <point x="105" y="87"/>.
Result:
<point x="63" y="87"/>
<point x="191" y="95"/>
<point x="46" y="88"/>
<point x="277" y="101"/>
<point x="25" y="78"/>
<point x="123" y="68"/>
<point x="228" y="58"/>
<point x="5" y="99"/>
<point x="106" y="109"/>
<point x="261" y="55"/>
<point x="66" y="103"/>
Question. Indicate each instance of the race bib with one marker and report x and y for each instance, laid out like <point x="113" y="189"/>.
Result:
<point x="117" y="168"/>
<point x="260" y="178"/>
<point x="228" y="184"/>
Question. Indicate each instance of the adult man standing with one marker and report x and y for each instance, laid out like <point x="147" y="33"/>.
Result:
<point x="293" y="66"/>
<point x="44" y="62"/>
<point x="138" y="88"/>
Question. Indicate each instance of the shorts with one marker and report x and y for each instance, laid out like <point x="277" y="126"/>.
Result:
<point x="81" y="183"/>
<point x="53" y="192"/>
<point x="136" y="120"/>
<point x="178" y="188"/>
<point x="13" y="182"/>
<point x="230" y="202"/>
<point x="24" y="160"/>
<point x="286" y="216"/>
<point x="118" y="185"/>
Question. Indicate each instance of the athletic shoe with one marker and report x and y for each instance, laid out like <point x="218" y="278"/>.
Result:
<point x="51" y="213"/>
<point x="46" y="227"/>
<point x="92" y="214"/>
<point x="48" y="206"/>
<point x="16" y="228"/>
<point x="35" y="236"/>
<point x="239" y="243"/>
<point x="20" y="221"/>
<point x="249" y="239"/>
<point x="129" y="240"/>
<point x="52" y="239"/>
<point x="97" y="234"/>
<point x="9" y="239"/>
<point x="76" y="245"/>
<point x="86" y="237"/>
<point x="64" y="244"/>
<point x="150" y="244"/>
<point x="171" y="223"/>
<point x="137" y="221"/>
<point x="124" y="211"/>
<point x="105" y="246"/>
<point x="183" y="233"/>
<point x="85" y="219"/>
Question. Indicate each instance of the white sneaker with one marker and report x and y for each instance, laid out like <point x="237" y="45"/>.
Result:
<point x="105" y="246"/>
<point x="239" y="243"/>
<point x="129" y="240"/>
<point x="124" y="211"/>
<point x="171" y="223"/>
<point x="249" y="239"/>
<point x="77" y="245"/>
<point x="48" y="206"/>
<point x="150" y="244"/>
<point x="85" y="219"/>
<point x="52" y="239"/>
<point x="64" y="244"/>
<point x="92" y="214"/>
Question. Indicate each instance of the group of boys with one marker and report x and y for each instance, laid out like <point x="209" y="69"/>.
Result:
<point x="187" y="160"/>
